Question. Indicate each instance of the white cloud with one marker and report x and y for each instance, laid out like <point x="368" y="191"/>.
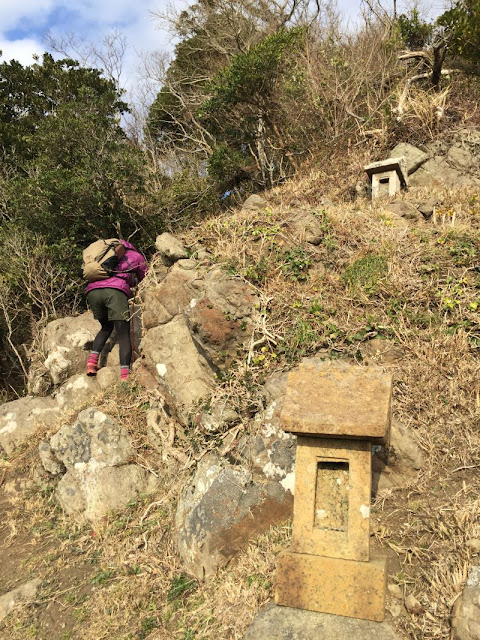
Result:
<point x="21" y="50"/>
<point x="16" y="13"/>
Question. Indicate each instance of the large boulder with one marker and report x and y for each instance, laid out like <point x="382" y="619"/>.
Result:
<point x="466" y="613"/>
<point x="221" y="510"/>
<point x="254" y="203"/>
<point x="404" y="209"/>
<point x="67" y="342"/>
<point x="414" y="157"/>
<point x="438" y="172"/>
<point x="170" y="248"/>
<point x="170" y="352"/>
<point x="77" y="391"/>
<point x="22" y="418"/>
<point x="174" y="293"/>
<point x="97" y="455"/>
<point x="307" y="227"/>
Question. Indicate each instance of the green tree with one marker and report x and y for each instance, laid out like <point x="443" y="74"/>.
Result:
<point x="66" y="163"/>
<point x="462" y="24"/>
<point x="414" y="31"/>
<point x="245" y="107"/>
<point x="218" y="39"/>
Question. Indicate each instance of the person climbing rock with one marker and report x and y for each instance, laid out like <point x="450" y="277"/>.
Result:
<point x="108" y="300"/>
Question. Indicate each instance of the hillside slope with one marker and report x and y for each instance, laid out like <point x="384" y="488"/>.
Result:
<point x="372" y="287"/>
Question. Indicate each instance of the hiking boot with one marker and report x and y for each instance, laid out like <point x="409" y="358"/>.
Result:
<point x="91" y="369"/>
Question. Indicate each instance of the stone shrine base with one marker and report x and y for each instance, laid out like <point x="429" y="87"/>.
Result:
<point x="332" y="585"/>
<point x="284" y="623"/>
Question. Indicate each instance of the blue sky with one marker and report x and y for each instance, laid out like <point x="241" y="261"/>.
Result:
<point x="24" y="24"/>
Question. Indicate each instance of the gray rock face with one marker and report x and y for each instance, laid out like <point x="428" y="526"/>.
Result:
<point x="92" y="493"/>
<point x="404" y="209"/>
<point x="76" y="391"/>
<point x="443" y="164"/>
<point x="94" y="437"/>
<point x="96" y="451"/>
<point x="169" y="298"/>
<point x="235" y="298"/>
<point x="20" y="419"/>
<point x="414" y="157"/>
<point x="220" y="511"/>
<point x="437" y="172"/>
<point x="466" y="614"/>
<point x="24" y="593"/>
<point x="48" y="459"/>
<point x="460" y="157"/>
<point x="284" y="623"/>
<point x="254" y="203"/>
<point x="220" y="317"/>
<point x="197" y="320"/>
<point x="171" y="353"/>
<point x="67" y="342"/>
<point x="404" y="459"/>
<point x="170" y="248"/>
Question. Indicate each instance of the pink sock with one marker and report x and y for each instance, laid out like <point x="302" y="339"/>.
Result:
<point x="93" y="358"/>
<point x="124" y="372"/>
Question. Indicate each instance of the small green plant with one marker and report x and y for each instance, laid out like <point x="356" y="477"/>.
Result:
<point x="147" y="626"/>
<point x="463" y="250"/>
<point x="103" y="576"/>
<point x="296" y="264"/>
<point x="256" y="273"/>
<point x="329" y="240"/>
<point x="181" y="585"/>
<point x="367" y="272"/>
<point x="259" y="580"/>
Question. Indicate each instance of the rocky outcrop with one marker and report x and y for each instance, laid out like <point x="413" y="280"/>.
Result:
<point x="163" y="301"/>
<point x="22" y="418"/>
<point x="77" y="391"/>
<point x="443" y="163"/>
<point x="66" y="343"/>
<point x="97" y="454"/>
<point x="170" y="249"/>
<point x="171" y="353"/>
<point x="25" y="593"/>
<point x="414" y="157"/>
<point x="221" y="510"/>
<point x="466" y="613"/>
<point x="196" y="320"/>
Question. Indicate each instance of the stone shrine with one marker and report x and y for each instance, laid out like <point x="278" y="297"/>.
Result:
<point x="337" y="411"/>
<point x="387" y="177"/>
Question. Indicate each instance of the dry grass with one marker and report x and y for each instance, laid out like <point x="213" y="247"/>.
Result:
<point x="416" y="286"/>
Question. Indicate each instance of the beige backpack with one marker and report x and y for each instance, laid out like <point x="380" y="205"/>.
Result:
<point x="100" y="259"/>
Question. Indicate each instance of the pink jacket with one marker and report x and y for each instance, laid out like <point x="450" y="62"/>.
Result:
<point x="135" y="266"/>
